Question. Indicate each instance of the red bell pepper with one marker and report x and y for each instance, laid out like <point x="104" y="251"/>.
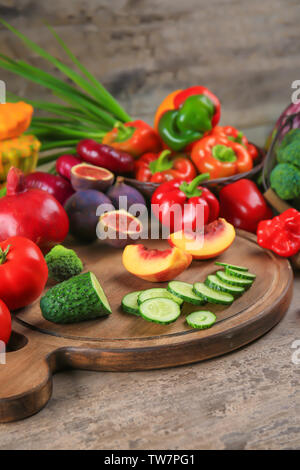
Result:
<point x="237" y="136"/>
<point x="135" y="138"/>
<point x="158" y="168"/>
<point x="243" y="205"/>
<point x="220" y="157"/>
<point x="179" y="204"/>
<point x="281" y="234"/>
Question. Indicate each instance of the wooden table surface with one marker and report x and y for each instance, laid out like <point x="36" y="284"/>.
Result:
<point x="249" y="399"/>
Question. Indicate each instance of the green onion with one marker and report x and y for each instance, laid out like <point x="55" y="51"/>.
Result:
<point x="88" y="109"/>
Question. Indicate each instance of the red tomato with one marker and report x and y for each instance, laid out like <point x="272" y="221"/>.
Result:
<point x="5" y="323"/>
<point x="23" y="272"/>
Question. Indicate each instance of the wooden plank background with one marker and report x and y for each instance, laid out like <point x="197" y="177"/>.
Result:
<point x="246" y="52"/>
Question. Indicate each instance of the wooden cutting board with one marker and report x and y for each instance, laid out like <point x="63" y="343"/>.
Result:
<point x="123" y="342"/>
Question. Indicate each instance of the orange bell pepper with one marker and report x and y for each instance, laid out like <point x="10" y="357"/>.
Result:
<point x="237" y="136"/>
<point x="220" y="157"/>
<point x="135" y="138"/>
<point x="165" y="105"/>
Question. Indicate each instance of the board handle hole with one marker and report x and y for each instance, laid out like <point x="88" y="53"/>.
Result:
<point x="16" y="342"/>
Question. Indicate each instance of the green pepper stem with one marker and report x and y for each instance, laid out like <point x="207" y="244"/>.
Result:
<point x="161" y="163"/>
<point x="223" y="153"/>
<point x="124" y="132"/>
<point x="191" y="189"/>
<point x="238" y="139"/>
<point x="3" y="254"/>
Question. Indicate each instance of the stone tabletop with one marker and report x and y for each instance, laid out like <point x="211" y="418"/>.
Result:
<point x="248" y="399"/>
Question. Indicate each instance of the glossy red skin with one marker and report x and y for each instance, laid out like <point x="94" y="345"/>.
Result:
<point x="65" y="163"/>
<point x="120" y="163"/>
<point x="5" y="323"/>
<point x="24" y="273"/>
<point x="169" y="193"/>
<point x="281" y="234"/>
<point x="243" y="205"/>
<point x="31" y="213"/>
<point x="182" y="168"/>
<point x="55" y="185"/>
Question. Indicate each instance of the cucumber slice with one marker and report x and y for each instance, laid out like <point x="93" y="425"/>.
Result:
<point x="234" y="281"/>
<point x="160" y="310"/>
<point x="184" y="290"/>
<point x="130" y="303"/>
<point x="215" y="283"/>
<point x="158" y="292"/>
<point x="77" y="299"/>
<point x="240" y="274"/>
<point x="202" y="319"/>
<point x="233" y="266"/>
<point x="211" y="295"/>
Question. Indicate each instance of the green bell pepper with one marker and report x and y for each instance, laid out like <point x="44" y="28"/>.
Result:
<point x="180" y="127"/>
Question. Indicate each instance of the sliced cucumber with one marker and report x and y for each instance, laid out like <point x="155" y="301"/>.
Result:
<point x="130" y="303"/>
<point x="102" y="297"/>
<point x="184" y="290"/>
<point x="158" y="292"/>
<point x="160" y="310"/>
<point x="215" y="283"/>
<point x="240" y="274"/>
<point x="211" y="295"/>
<point x="233" y="281"/>
<point x="233" y="266"/>
<point x="202" y="319"/>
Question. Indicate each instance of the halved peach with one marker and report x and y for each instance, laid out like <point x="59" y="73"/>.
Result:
<point x="155" y="265"/>
<point x="216" y="238"/>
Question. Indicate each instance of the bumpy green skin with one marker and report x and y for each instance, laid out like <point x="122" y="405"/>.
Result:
<point x="290" y="154"/>
<point x="285" y="180"/>
<point x="72" y="301"/>
<point x="292" y="136"/>
<point x="63" y="263"/>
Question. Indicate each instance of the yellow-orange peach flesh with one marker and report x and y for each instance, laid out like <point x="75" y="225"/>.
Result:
<point x="155" y="265"/>
<point x="217" y="237"/>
